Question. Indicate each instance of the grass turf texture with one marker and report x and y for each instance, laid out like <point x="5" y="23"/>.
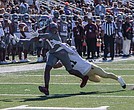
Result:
<point x="21" y="88"/>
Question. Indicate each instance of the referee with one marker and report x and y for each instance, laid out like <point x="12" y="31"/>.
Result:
<point x="109" y="30"/>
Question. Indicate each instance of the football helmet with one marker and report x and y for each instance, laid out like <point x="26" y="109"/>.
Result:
<point x="56" y="14"/>
<point x="26" y="17"/>
<point x="6" y="16"/>
<point x="44" y="21"/>
<point x="63" y="17"/>
<point x="75" y="17"/>
<point x="15" y="17"/>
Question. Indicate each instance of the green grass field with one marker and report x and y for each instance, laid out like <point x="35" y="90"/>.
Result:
<point x="21" y="88"/>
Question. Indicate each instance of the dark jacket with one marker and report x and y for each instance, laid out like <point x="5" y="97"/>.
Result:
<point x="78" y="32"/>
<point x="127" y="30"/>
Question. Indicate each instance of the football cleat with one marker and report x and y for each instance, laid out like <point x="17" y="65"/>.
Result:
<point x="84" y="81"/>
<point x="122" y="82"/>
<point x="43" y="90"/>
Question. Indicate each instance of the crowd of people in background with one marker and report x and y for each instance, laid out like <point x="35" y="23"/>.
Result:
<point x="97" y="28"/>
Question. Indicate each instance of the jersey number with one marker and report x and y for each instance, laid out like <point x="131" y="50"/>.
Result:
<point x="73" y="63"/>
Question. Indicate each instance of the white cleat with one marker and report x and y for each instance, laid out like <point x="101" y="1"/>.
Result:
<point x="122" y="82"/>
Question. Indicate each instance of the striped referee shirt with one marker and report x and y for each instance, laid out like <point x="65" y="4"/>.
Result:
<point x="109" y="28"/>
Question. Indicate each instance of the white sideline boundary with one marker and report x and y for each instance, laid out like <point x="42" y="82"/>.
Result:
<point x="14" y="69"/>
<point x="25" y="107"/>
<point x="92" y="96"/>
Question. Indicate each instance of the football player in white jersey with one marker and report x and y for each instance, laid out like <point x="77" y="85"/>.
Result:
<point x="93" y="71"/>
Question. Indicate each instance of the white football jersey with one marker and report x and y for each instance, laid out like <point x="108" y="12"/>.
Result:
<point x="80" y="64"/>
<point x="77" y="62"/>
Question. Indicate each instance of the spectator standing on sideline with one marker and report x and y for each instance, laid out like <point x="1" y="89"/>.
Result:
<point x="84" y="45"/>
<point x="2" y="45"/>
<point x="16" y="36"/>
<point x="6" y="24"/>
<point x="91" y="32"/>
<point x="24" y="44"/>
<point x="109" y="30"/>
<point x="127" y="30"/>
<point x="78" y="32"/>
<point x="119" y="36"/>
<point x="99" y="38"/>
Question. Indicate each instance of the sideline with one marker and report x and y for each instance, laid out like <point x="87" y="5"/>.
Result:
<point x="25" y="107"/>
<point x="38" y="66"/>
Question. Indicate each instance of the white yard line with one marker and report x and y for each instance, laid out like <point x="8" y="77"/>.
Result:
<point x="30" y="83"/>
<point x="119" y="69"/>
<point x="51" y="75"/>
<point x="131" y="64"/>
<point x="25" y="107"/>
